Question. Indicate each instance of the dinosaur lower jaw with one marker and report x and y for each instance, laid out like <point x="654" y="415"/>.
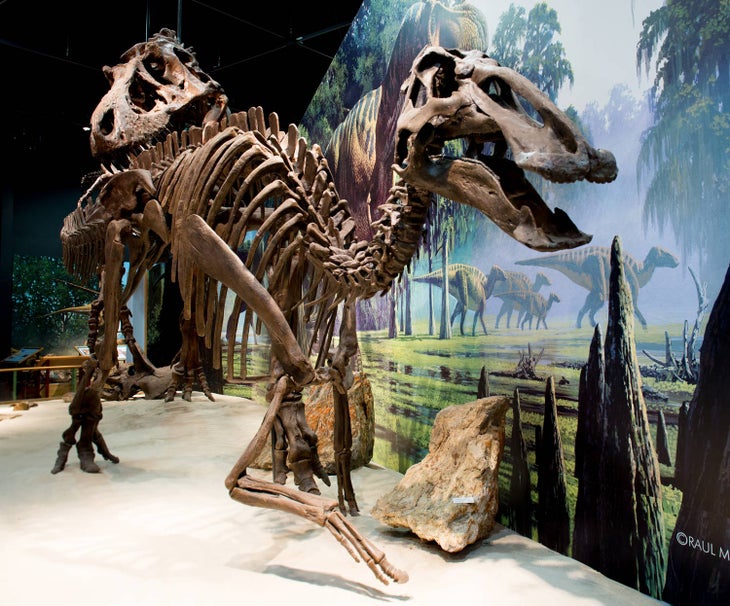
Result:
<point x="497" y="187"/>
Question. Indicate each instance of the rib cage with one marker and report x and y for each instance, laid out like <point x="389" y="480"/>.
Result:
<point x="256" y="185"/>
<point x="82" y="240"/>
<point x="248" y="188"/>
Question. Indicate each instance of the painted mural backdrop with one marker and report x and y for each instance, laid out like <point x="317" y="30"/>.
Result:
<point x="646" y="79"/>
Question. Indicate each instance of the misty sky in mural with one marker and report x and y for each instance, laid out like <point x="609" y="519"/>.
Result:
<point x="599" y="40"/>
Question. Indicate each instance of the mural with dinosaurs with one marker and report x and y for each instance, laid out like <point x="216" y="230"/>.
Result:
<point x="666" y="205"/>
<point x="416" y="364"/>
<point x="589" y="267"/>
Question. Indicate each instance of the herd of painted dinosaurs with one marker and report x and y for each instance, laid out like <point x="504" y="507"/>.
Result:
<point x="588" y="267"/>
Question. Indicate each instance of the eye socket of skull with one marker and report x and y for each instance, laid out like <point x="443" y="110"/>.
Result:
<point x="436" y="77"/>
<point x="158" y="87"/>
<point x="155" y="64"/>
<point x="191" y="63"/>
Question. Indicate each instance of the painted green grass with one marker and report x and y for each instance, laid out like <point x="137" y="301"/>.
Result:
<point x="413" y="377"/>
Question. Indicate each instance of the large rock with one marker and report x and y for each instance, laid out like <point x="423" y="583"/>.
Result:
<point x="451" y="497"/>
<point x="320" y="414"/>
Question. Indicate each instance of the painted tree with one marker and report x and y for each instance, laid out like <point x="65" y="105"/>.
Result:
<point x="529" y="44"/>
<point x="408" y="316"/>
<point x="553" y="518"/>
<point x="699" y="572"/>
<point x="684" y="153"/>
<point x="631" y="537"/>
<point x="41" y="289"/>
<point x="357" y="68"/>
<point x="449" y="225"/>
<point x="509" y="37"/>
<point x="444" y="230"/>
<point x="520" y="499"/>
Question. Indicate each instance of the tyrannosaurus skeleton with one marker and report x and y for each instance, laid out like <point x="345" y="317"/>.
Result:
<point x="196" y="193"/>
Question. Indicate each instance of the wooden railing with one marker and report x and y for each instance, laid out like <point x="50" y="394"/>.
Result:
<point x="46" y="365"/>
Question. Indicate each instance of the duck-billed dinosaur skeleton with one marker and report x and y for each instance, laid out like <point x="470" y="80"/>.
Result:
<point x="196" y="194"/>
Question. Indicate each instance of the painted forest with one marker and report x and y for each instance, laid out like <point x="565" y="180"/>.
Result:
<point x="447" y="331"/>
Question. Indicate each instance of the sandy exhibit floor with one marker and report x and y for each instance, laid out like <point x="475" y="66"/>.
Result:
<point x="159" y="527"/>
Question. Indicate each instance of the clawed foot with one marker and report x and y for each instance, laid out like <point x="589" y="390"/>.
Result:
<point x="185" y="378"/>
<point x="86" y="457"/>
<point x="103" y="449"/>
<point x="361" y="548"/>
<point x="61" y="457"/>
<point x="86" y="460"/>
<point x="323" y="512"/>
<point x="107" y="456"/>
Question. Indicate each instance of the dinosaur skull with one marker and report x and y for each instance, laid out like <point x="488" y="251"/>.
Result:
<point x="452" y="94"/>
<point x="158" y="87"/>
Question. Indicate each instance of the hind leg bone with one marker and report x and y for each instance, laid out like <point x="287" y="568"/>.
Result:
<point x="208" y="252"/>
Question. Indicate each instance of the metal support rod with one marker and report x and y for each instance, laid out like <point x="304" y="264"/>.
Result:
<point x="179" y="20"/>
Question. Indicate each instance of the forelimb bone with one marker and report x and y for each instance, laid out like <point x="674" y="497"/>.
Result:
<point x="204" y="251"/>
<point x="203" y="247"/>
<point x="315" y="508"/>
<point x="342" y="379"/>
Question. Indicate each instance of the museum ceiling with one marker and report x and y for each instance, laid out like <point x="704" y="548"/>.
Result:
<point x="271" y="54"/>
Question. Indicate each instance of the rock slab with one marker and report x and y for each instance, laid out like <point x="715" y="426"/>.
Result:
<point x="452" y="496"/>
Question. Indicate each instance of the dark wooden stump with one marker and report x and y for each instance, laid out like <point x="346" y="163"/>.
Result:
<point x="699" y="563"/>
<point x="520" y="499"/>
<point x="630" y="507"/>
<point x="553" y="519"/>
<point x="662" y="441"/>
<point x="588" y="445"/>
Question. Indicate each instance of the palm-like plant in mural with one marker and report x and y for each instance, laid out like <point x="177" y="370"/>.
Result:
<point x="684" y="154"/>
<point x="528" y="43"/>
<point x="47" y="306"/>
